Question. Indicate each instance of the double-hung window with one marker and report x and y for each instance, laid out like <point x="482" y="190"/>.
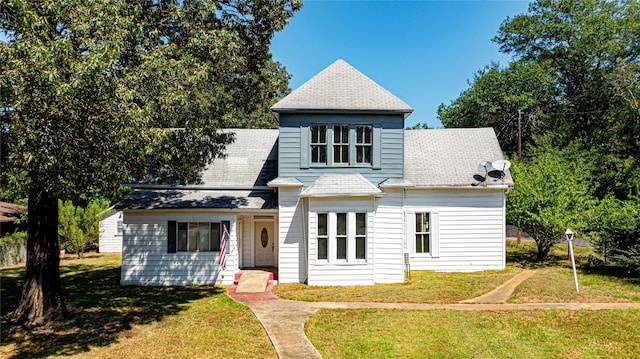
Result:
<point x="364" y="142"/>
<point x="198" y="237"/>
<point x="361" y="235"/>
<point x="319" y="144"/>
<point x="422" y="232"/>
<point x="423" y="235"/>
<point x="323" y="235"/>
<point x="341" y="144"/>
<point x="341" y="236"/>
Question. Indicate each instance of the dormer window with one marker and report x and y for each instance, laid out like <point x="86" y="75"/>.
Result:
<point x="319" y="144"/>
<point x="363" y="144"/>
<point x="341" y="144"/>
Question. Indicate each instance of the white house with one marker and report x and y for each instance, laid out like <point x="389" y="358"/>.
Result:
<point x="111" y="228"/>
<point x="339" y="194"/>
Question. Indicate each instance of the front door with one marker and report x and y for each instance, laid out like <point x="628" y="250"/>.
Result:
<point x="264" y="244"/>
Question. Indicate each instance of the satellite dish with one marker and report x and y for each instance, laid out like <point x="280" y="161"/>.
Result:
<point x="501" y="165"/>
<point x="484" y="166"/>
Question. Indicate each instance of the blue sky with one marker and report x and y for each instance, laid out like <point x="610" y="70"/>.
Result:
<point x="421" y="51"/>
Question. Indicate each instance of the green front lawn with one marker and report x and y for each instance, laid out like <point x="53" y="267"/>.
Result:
<point x="133" y="322"/>
<point x="424" y="287"/>
<point x="369" y="333"/>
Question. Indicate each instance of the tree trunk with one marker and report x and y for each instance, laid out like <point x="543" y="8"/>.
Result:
<point x="42" y="298"/>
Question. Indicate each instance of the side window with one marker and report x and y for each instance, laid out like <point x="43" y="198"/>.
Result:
<point x="341" y="144"/>
<point x="361" y="235"/>
<point x="341" y="236"/>
<point x="318" y="144"/>
<point x="119" y="228"/>
<point x="322" y="236"/>
<point x="422" y="232"/>
<point x="195" y="237"/>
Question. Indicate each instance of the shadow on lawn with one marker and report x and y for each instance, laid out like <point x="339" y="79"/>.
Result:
<point x="101" y="310"/>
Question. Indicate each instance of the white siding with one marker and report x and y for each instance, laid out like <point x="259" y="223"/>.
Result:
<point x="388" y="245"/>
<point x="145" y="260"/>
<point x="291" y="240"/>
<point x="110" y="240"/>
<point x="471" y="230"/>
<point x="350" y="272"/>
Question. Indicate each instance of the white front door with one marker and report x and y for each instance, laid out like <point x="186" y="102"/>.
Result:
<point x="264" y="244"/>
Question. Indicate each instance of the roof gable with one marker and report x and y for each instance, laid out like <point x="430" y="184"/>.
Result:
<point x="340" y="87"/>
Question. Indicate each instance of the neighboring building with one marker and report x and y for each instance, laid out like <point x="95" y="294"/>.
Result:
<point x="111" y="228"/>
<point x="9" y="213"/>
<point x="340" y="194"/>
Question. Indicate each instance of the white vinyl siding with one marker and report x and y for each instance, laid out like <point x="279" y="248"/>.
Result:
<point x="145" y="260"/>
<point x="389" y="236"/>
<point x="110" y="240"/>
<point x="292" y="241"/>
<point x="467" y="229"/>
<point x="337" y="269"/>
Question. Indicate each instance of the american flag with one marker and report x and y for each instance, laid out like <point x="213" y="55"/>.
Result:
<point x="223" y="247"/>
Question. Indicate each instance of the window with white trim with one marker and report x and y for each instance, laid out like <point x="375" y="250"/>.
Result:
<point x="323" y="235"/>
<point x="364" y="142"/>
<point x="341" y="236"/>
<point x="422" y="232"/>
<point x="423" y="237"/>
<point x="119" y="228"/>
<point x="341" y="144"/>
<point x="319" y="144"/>
<point x="198" y="237"/>
<point x="361" y="235"/>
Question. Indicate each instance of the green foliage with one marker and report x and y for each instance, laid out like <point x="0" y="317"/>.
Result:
<point x="615" y="230"/>
<point x="551" y="193"/>
<point x="78" y="227"/>
<point x="96" y="93"/>
<point x="12" y="248"/>
<point x="498" y="96"/>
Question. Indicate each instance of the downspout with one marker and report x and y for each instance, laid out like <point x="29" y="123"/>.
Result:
<point x="305" y="240"/>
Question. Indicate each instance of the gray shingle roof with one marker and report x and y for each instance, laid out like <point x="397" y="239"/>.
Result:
<point x="251" y="160"/>
<point x="333" y="184"/>
<point x="450" y="157"/>
<point x="341" y="87"/>
<point x="183" y="198"/>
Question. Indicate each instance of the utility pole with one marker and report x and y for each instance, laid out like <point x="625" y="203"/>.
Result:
<point x="519" y="161"/>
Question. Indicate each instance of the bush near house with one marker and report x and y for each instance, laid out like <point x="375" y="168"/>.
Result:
<point x="13" y="249"/>
<point x="79" y="227"/>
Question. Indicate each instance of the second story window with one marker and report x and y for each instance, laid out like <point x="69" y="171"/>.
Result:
<point x="363" y="143"/>
<point x="319" y="144"/>
<point x="341" y="144"/>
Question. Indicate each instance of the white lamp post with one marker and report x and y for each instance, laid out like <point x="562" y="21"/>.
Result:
<point x="569" y="235"/>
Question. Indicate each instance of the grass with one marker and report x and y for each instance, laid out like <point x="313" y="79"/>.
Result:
<point x="368" y="333"/>
<point x="110" y="321"/>
<point x="202" y="321"/>
<point x="424" y="287"/>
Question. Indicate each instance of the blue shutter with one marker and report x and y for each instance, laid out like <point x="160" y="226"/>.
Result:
<point x="377" y="147"/>
<point x="304" y="145"/>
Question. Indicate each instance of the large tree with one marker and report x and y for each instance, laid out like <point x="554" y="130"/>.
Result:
<point x="500" y="97"/>
<point x="96" y="93"/>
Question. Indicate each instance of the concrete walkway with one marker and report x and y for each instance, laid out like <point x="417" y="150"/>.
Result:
<point x="503" y="292"/>
<point x="284" y="319"/>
